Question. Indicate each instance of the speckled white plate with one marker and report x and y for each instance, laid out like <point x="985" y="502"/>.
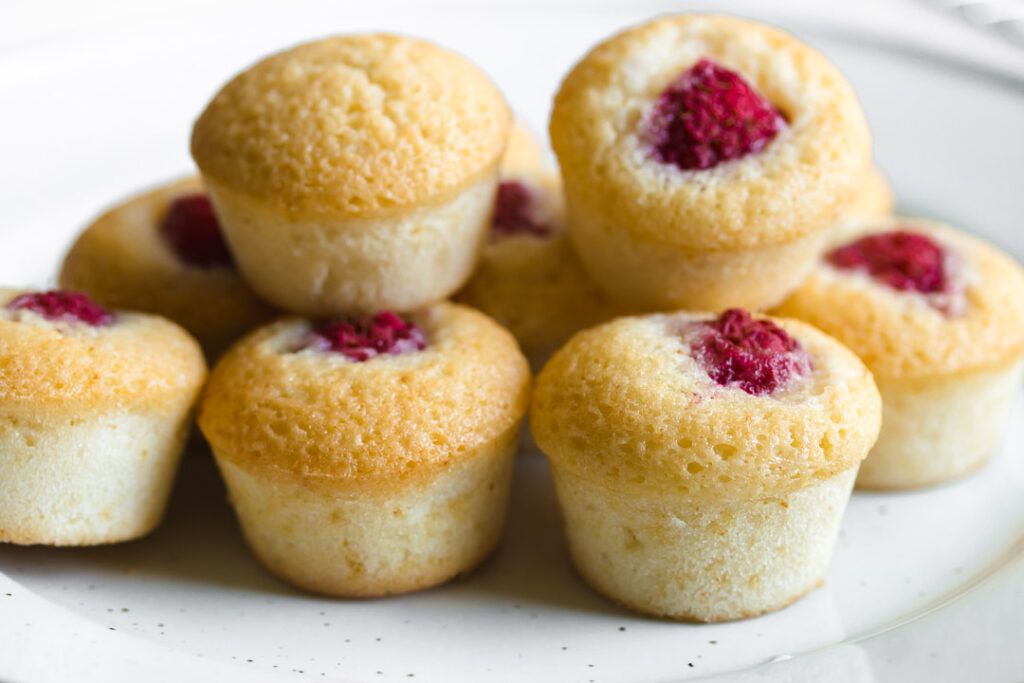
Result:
<point x="923" y="586"/>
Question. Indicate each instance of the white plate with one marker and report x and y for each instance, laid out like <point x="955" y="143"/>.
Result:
<point x="926" y="585"/>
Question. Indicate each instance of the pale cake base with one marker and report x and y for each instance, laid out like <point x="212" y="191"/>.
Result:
<point x="332" y="267"/>
<point x="376" y="543"/>
<point x="89" y="480"/>
<point x="702" y="561"/>
<point x="644" y="274"/>
<point x="938" y="430"/>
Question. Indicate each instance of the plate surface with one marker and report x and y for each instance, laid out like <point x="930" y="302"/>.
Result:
<point x="920" y="582"/>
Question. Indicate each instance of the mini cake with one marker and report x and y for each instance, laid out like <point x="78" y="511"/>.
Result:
<point x="356" y="173"/>
<point x="529" y="278"/>
<point x="94" y="410"/>
<point x="938" y="317"/>
<point x="162" y="252"/>
<point x="373" y="455"/>
<point x="702" y="464"/>
<point x="703" y="158"/>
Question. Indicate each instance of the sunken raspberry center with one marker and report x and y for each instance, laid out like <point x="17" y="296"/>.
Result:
<point x="65" y="306"/>
<point x="364" y="338"/>
<point x="191" y="229"/>
<point x="708" y="115"/>
<point x="516" y="212"/>
<point x="903" y="260"/>
<point x="758" y="356"/>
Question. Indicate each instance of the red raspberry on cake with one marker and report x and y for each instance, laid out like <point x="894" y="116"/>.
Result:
<point x="702" y="463"/>
<point x="518" y="211"/>
<point x="704" y="158"/>
<point x="191" y="229"/>
<point x="709" y="115"/>
<point x="901" y="259"/>
<point x="61" y="305"/>
<point x="755" y="355"/>
<point x="163" y="252"/>
<point x="95" y="406"/>
<point x="364" y="338"/>
<point x="937" y="316"/>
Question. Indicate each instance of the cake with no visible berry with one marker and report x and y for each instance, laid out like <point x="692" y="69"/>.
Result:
<point x="356" y="173"/>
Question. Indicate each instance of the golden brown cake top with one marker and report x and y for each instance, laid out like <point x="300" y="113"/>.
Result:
<point x="358" y="125"/>
<point x="322" y="418"/>
<point x="796" y="184"/>
<point x="978" y="323"/>
<point x="136" y="361"/>
<point x="628" y="405"/>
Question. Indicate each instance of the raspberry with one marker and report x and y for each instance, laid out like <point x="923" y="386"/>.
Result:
<point x="60" y="305"/>
<point x="191" y="229"/>
<point x="709" y="115"/>
<point x="363" y="338"/>
<point x="757" y="356"/>
<point x="515" y="211"/>
<point x="903" y="260"/>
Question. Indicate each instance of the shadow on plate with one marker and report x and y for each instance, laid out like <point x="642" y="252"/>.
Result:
<point x="531" y="566"/>
<point x="199" y="542"/>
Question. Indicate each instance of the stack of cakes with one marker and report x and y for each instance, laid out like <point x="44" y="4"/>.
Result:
<point x="367" y="436"/>
<point x="702" y="459"/>
<point x="367" y="445"/>
<point x="702" y="451"/>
